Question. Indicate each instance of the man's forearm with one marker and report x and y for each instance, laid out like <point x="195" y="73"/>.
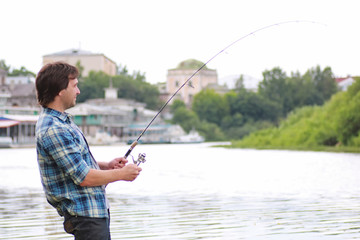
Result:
<point x="97" y="177"/>
<point x="103" y="165"/>
<point x="101" y="177"/>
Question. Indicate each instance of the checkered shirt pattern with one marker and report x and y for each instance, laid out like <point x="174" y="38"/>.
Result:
<point x="64" y="161"/>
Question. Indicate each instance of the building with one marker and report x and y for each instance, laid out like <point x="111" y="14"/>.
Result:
<point x="344" y="83"/>
<point x="19" y="110"/>
<point x="112" y="120"/>
<point x="108" y="119"/>
<point x="89" y="61"/>
<point x="17" y="91"/>
<point x="23" y="95"/>
<point x="17" y="126"/>
<point x="18" y="95"/>
<point x="15" y="80"/>
<point x="177" y="76"/>
<point x="163" y="94"/>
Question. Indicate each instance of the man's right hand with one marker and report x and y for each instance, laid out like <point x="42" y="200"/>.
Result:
<point x="130" y="171"/>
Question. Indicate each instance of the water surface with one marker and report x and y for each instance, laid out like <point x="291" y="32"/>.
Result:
<point x="199" y="192"/>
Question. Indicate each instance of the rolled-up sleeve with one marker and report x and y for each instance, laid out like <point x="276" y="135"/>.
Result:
<point x="66" y="152"/>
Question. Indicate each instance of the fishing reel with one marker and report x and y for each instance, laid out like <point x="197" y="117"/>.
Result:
<point x="140" y="159"/>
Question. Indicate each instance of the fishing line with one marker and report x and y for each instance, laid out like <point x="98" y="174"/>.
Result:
<point x="142" y="156"/>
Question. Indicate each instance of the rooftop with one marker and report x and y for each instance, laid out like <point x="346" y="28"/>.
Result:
<point x="72" y="52"/>
<point x="191" y="64"/>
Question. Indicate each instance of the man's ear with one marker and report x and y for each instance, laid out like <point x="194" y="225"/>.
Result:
<point x="61" y="92"/>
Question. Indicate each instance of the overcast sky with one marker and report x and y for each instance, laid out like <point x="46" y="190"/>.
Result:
<point x="152" y="36"/>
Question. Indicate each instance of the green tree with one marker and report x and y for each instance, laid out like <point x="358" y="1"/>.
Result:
<point x="302" y="91"/>
<point x="274" y="88"/>
<point x="348" y="114"/>
<point x="80" y="68"/>
<point x="252" y="106"/>
<point x="210" y="106"/>
<point x="273" y="84"/>
<point x="324" y="83"/>
<point x="239" y="83"/>
<point x="15" y="72"/>
<point x="93" y="86"/>
<point x="313" y="88"/>
<point x="186" y="118"/>
<point x="129" y="87"/>
<point x="21" y="72"/>
<point x="210" y="131"/>
<point x="177" y="103"/>
<point x="4" y="66"/>
<point x="335" y="123"/>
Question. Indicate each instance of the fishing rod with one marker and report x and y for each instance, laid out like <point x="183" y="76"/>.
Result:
<point x="141" y="157"/>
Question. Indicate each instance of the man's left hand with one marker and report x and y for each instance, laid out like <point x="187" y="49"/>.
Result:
<point x="117" y="163"/>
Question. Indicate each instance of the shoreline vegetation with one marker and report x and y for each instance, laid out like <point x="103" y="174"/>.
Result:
<point x="332" y="127"/>
<point x="335" y="149"/>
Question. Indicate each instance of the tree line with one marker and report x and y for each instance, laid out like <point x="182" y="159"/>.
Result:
<point x="22" y="71"/>
<point x="336" y="124"/>
<point x="240" y="112"/>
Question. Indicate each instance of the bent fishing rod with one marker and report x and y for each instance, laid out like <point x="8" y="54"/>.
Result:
<point x="141" y="157"/>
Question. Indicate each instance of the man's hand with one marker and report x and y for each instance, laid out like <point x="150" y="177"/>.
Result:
<point x="123" y="172"/>
<point x="117" y="163"/>
<point x="130" y="171"/>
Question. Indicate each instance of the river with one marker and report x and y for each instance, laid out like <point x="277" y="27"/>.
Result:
<point x="196" y="191"/>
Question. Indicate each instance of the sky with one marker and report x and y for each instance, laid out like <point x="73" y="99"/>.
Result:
<point x="154" y="36"/>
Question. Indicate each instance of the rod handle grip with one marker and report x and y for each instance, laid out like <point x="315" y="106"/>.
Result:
<point x="132" y="146"/>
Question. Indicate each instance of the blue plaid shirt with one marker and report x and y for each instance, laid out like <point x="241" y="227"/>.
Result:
<point x="64" y="161"/>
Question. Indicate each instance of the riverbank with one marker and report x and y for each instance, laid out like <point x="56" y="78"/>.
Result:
<point x="343" y="149"/>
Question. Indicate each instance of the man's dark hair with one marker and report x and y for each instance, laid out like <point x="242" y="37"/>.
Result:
<point x="51" y="79"/>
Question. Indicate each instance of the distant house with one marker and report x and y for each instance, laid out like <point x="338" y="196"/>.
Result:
<point x="88" y="60"/>
<point x="344" y="83"/>
<point x="17" y="90"/>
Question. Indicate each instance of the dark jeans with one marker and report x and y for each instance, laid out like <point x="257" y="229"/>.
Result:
<point x="87" y="228"/>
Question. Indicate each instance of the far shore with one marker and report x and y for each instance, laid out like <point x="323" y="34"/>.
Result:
<point x="339" y="149"/>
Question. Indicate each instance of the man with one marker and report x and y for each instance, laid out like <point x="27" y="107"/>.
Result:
<point x="74" y="183"/>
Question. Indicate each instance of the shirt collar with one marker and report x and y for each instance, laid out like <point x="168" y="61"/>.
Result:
<point x="63" y="116"/>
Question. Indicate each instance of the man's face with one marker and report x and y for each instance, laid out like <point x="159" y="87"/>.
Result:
<point x="68" y="95"/>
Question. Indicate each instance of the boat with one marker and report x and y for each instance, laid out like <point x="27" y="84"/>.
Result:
<point x="163" y="134"/>
<point x="192" y="137"/>
<point x="5" y="142"/>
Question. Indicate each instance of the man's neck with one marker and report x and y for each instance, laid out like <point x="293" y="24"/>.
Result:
<point x="56" y="106"/>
